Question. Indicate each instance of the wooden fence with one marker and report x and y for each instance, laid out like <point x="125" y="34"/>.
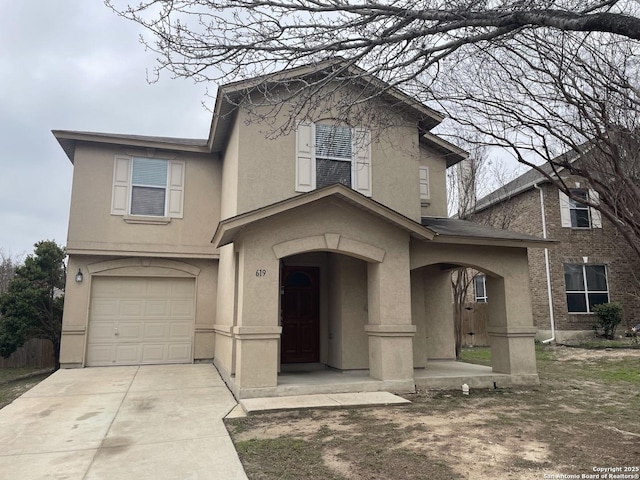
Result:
<point x="36" y="353"/>
<point x="474" y="321"/>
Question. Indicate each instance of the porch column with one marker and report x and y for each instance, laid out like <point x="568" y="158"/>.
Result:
<point x="511" y="327"/>
<point x="390" y="329"/>
<point x="257" y="330"/>
<point x="439" y="314"/>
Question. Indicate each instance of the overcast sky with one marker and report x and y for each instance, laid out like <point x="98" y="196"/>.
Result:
<point x="73" y="65"/>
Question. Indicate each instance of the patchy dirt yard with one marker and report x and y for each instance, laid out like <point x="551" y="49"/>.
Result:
<point x="10" y="388"/>
<point x="584" y="415"/>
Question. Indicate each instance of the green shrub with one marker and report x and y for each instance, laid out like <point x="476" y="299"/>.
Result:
<point x="609" y="316"/>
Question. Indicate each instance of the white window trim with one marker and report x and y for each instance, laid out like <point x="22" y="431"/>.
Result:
<point x="595" y="218"/>
<point x="142" y="185"/>
<point x="586" y="292"/>
<point x="305" y="168"/>
<point x="480" y="298"/>
<point x="122" y="180"/>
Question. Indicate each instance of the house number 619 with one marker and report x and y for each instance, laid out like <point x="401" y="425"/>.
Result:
<point x="261" y="272"/>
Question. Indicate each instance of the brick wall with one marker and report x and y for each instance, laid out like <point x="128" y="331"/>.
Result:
<point x="601" y="246"/>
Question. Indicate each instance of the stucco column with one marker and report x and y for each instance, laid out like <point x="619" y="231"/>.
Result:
<point x="225" y="312"/>
<point x="438" y="299"/>
<point x="74" y="318"/>
<point x="257" y="331"/>
<point x="390" y="330"/>
<point x="511" y="327"/>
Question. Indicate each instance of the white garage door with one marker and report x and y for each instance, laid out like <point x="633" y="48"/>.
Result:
<point x="136" y="321"/>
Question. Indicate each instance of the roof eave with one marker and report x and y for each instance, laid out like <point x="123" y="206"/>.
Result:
<point x="495" y="242"/>
<point x="453" y="154"/>
<point x="69" y="139"/>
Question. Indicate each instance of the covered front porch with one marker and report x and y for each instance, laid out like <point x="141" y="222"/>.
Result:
<point x="330" y="293"/>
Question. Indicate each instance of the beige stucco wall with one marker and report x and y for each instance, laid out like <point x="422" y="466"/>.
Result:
<point x="262" y="171"/>
<point x="78" y="297"/>
<point x="432" y="313"/>
<point x="505" y="262"/>
<point x="436" y="206"/>
<point x="92" y="228"/>
<point x="369" y="307"/>
<point x="510" y="318"/>
<point x="348" y="305"/>
<point x="229" y="187"/>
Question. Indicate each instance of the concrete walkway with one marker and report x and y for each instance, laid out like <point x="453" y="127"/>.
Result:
<point x="361" y="399"/>
<point x="147" y="422"/>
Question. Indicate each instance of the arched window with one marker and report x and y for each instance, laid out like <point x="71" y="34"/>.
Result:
<point x="298" y="279"/>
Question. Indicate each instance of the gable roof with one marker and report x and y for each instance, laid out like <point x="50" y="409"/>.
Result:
<point x="225" y="110"/>
<point x="439" y="230"/>
<point x="225" y="106"/>
<point x="531" y="177"/>
<point x="520" y="184"/>
<point x="228" y="229"/>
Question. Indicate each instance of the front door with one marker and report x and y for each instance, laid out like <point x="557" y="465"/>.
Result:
<point x="300" y="315"/>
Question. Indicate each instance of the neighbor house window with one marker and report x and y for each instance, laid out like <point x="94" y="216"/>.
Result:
<point x="580" y="217"/>
<point x="148" y="187"/>
<point x="586" y="287"/>
<point x="328" y="154"/>
<point x="480" y="288"/>
<point x="333" y="155"/>
<point x="574" y="213"/>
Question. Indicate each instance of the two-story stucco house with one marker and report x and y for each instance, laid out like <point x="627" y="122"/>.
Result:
<point x="591" y="264"/>
<point x="325" y="247"/>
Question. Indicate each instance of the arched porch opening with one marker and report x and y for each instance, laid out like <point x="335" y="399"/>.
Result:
<point x="509" y="325"/>
<point x="323" y="312"/>
<point x="434" y="293"/>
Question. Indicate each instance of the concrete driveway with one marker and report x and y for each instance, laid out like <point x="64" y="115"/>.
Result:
<point x="148" y="422"/>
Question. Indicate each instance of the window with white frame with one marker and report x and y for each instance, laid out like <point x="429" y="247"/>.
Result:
<point x="333" y="155"/>
<point x="586" y="286"/>
<point x="575" y="213"/>
<point x="148" y="187"/>
<point x="480" y="288"/>
<point x="580" y="217"/>
<point x="327" y="154"/>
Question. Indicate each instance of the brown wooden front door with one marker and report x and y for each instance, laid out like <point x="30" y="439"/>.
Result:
<point x="300" y="315"/>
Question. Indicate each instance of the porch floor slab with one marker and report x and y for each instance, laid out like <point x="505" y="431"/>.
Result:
<point x="438" y="375"/>
<point x="450" y="374"/>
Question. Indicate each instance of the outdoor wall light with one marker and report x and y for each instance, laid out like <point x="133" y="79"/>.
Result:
<point x="79" y="276"/>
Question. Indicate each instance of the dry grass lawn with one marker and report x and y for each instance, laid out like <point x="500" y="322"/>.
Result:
<point x="585" y="414"/>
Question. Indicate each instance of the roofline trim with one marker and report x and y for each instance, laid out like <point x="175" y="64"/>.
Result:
<point x="228" y="229"/>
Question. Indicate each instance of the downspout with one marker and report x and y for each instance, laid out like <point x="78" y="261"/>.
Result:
<point x="546" y="264"/>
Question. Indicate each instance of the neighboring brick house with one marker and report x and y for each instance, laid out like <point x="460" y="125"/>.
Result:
<point x="590" y="264"/>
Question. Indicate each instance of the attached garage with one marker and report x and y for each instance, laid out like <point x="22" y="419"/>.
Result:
<point x="141" y="320"/>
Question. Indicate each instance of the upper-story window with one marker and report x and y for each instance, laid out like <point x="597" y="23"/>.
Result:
<point x="148" y="187"/>
<point x="580" y="217"/>
<point x="575" y="214"/>
<point x="327" y="154"/>
<point x="333" y="146"/>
